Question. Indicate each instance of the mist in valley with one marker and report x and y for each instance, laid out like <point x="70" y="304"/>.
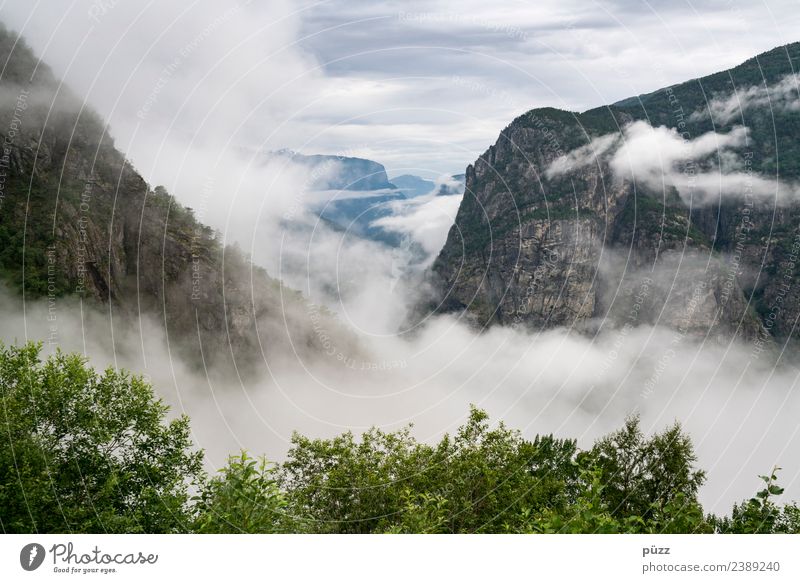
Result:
<point x="223" y="99"/>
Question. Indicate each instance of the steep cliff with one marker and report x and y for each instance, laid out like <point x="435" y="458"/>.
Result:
<point x="553" y="232"/>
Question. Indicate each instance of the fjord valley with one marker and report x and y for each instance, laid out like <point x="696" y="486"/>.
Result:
<point x="618" y="284"/>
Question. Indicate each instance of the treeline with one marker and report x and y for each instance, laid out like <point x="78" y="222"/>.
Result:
<point x="84" y="451"/>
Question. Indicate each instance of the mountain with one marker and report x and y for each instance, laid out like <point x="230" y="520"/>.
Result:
<point x="579" y="220"/>
<point x="357" y="215"/>
<point x="413" y="185"/>
<point x="77" y="220"/>
<point x="339" y="172"/>
<point x="352" y="192"/>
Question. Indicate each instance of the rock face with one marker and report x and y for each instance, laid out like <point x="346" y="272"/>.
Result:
<point x="586" y="248"/>
<point x="77" y="219"/>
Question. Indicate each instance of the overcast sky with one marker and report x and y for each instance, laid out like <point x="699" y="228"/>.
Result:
<point x="423" y="87"/>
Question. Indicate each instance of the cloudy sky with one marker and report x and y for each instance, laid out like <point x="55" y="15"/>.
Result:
<point x="422" y="87"/>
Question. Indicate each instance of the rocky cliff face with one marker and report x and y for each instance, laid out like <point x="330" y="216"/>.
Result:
<point x="77" y="219"/>
<point x="582" y="246"/>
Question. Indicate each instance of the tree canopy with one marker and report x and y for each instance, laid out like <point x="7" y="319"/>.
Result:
<point x="88" y="452"/>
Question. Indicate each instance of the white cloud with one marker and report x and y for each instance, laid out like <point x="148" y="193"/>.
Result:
<point x="302" y="58"/>
<point x="741" y="411"/>
<point x="583" y="156"/>
<point x="782" y="96"/>
<point x="704" y="170"/>
<point x="425" y="220"/>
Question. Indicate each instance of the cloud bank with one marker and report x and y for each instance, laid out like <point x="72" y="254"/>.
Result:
<point x="740" y="408"/>
<point x="782" y="96"/>
<point x="704" y="170"/>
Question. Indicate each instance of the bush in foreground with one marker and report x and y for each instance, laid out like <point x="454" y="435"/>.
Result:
<point x="88" y="452"/>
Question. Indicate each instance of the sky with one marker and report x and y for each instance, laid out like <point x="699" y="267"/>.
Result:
<point x="422" y="87"/>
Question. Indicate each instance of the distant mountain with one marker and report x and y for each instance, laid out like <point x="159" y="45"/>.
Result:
<point x="339" y="172"/>
<point x="413" y="185"/>
<point x="356" y="215"/>
<point x="552" y="230"/>
<point x="358" y="190"/>
<point x="357" y="212"/>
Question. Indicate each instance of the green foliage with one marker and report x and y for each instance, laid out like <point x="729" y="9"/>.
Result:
<point x="243" y="498"/>
<point x="88" y="452"/>
<point x="493" y="478"/>
<point x="761" y="514"/>
<point x="588" y="514"/>
<point x="646" y="477"/>
<point x="479" y="480"/>
<point x="485" y="479"/>
<point x="349" y="486"/>
<point x="421" y="514"/>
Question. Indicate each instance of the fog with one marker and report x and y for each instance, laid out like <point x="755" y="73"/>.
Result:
<point x="740" y="407"/>
<point x="197" y="95"/>
<point x="781" y="96"/>
<point x="739" y="402"/>
<point x="703" y="170"/>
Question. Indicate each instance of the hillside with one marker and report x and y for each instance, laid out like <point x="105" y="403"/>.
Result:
<point x="77" y="220"/>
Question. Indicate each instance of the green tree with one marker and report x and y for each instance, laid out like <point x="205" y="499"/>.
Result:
<point x="243" y="498"/>
<point x="493" y="478"/>
<point x="587" y="514"/>
<point x="349" y="486"/>
<point x="648" y="478"/>
<point x="481" y="479"/>
<point x="88" y="452"/>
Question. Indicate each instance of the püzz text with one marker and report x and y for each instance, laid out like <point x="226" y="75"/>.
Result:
<point x="655" y="551"/>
